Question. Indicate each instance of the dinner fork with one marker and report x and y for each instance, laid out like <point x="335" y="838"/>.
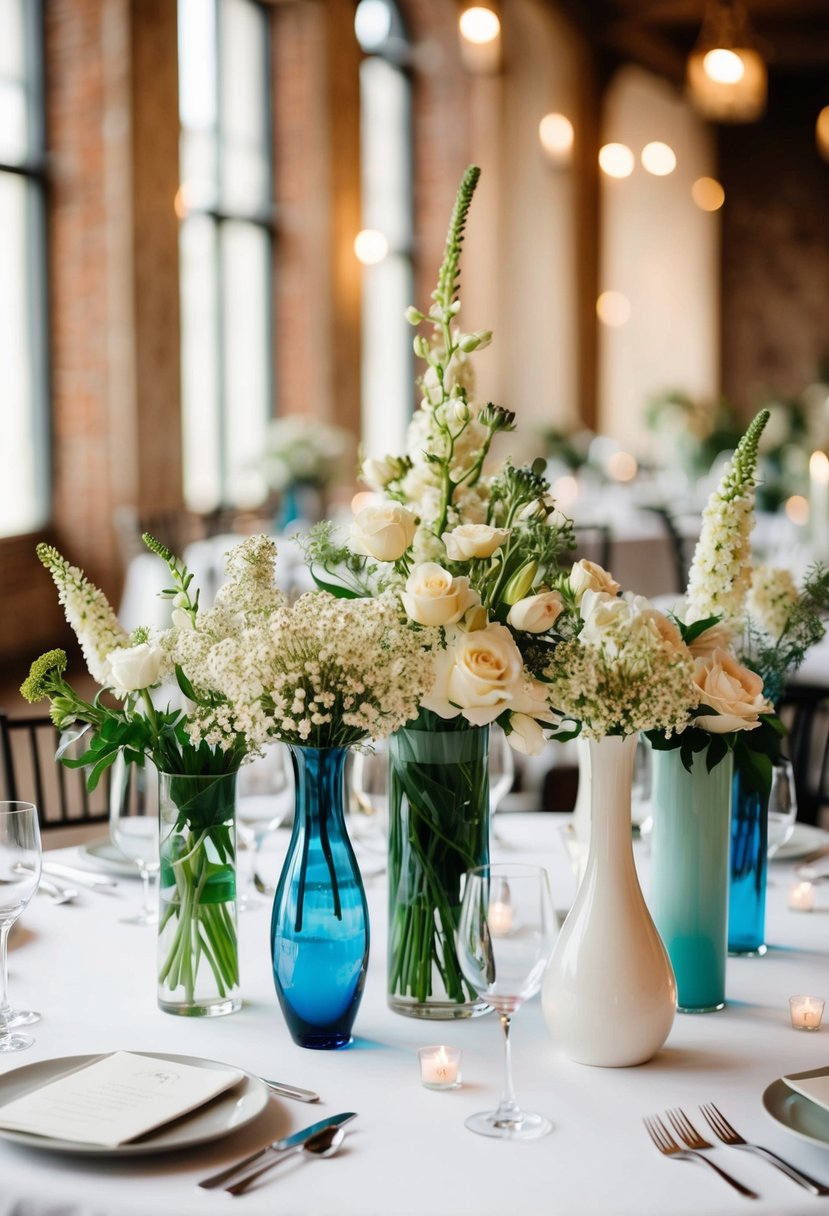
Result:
<point x="666" y="1144"/>
<point x="729" y="1135"/>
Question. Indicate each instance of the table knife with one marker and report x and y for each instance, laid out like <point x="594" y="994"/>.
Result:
<point x="300" y="1137"/>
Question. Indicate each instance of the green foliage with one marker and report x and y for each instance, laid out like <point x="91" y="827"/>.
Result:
<point x="776" y="660"/>
<point x="449" y="275"/>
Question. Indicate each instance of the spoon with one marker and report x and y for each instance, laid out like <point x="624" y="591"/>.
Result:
<point x="325" y="1144"/>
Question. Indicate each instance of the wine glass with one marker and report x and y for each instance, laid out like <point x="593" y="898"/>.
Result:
<point x="782" y="806"/>
<point x="20" y="861"/>
<point x="368" y="797"/>
<point x="264" y="798"/>
<point x="133" y="829"/>
<point x="505" y="938"/>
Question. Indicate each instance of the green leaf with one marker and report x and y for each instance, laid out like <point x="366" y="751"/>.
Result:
<point x="342" y="593"/>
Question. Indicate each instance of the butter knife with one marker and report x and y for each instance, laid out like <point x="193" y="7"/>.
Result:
<point x="291" y="1091"/>
<point x="277" y="1146"/>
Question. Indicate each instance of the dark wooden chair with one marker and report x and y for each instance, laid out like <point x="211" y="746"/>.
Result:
<point x="29" y="772"/>
<point x="804" y="708"/>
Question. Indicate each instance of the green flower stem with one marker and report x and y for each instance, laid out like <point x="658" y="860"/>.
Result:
<point x="439" y="830"/>
<point x="202" y="929"/>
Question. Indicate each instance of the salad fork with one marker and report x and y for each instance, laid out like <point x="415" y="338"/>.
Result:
<point x="723" y="1130"/>
<point x="666" y="1144"/>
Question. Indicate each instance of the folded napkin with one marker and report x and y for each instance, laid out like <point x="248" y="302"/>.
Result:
<point x="813" y="1085"/>
<point x="115" y="1098"/>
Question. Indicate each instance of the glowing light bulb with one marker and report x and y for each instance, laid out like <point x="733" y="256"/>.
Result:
<point x="370" y="246"/>
<point x="613" y="309"/>
<point x="725" y="67"/>
<point x="556" y="134"/>
<point x="658" y="159"/>
<point x="479" y="25"/>
<point x="616" y="160"/>
<point x="708" y="194"/>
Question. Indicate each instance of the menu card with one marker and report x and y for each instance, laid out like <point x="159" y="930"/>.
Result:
<point x="115" y="1099"/>
<point x="813" y="1085"/>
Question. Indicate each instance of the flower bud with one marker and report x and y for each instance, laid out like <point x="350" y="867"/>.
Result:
<point x="420" y="346"/>
<point x="520" y="583"/>
<point x="413" y="315"/>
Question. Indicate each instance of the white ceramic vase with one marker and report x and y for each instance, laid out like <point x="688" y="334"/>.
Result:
<point x="609" y="993"/>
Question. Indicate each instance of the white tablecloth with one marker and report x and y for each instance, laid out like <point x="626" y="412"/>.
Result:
<point x="409" y="1153"/>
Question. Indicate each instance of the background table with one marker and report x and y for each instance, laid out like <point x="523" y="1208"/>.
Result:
<point x="409" y="1153"/>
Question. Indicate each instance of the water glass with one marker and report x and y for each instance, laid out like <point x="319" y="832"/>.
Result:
<point x="133" y="829"/>
<point x="20" y="862"/>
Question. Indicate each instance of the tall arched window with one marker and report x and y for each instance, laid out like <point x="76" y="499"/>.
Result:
<point x="24" y="450"/>
<point x="385" y="135"/>
<point x="225" y="204"/>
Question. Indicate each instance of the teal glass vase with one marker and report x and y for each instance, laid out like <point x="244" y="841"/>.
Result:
<point x="748" y="871"/>
<point x="690" y="843"/>
<point x="319" y="926"/>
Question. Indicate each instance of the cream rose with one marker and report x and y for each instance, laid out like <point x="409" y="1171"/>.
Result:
<point x="383" y="532"/>
<point x="526" y="735"/>
<point x="536" y="613"/>
<point x="377" y="473"/>
<point x="735" y="692"/>
<point x="433" y="597"/>
<point x="134" y="667"/>
<point x="473" y="540"/>
<point x="589" y="576"/>
<point x="478" y="674"/>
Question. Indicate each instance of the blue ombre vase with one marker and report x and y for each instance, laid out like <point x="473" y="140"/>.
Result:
<point x="748" y="871"/>
<point x="690" y="872"/>
<point x="319" y="926"/>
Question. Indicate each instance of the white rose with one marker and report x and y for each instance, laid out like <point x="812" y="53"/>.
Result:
<point x="526" y="735"/>
<point x="589" y="576"/>
<point x="378" y="473"/>
<point x="473" y="540"/>
<point x="433" y="597"/>
<point x="735" y="692"/>
<point x="134" y="667"/>
<point x="605" y="616"/>
<point x="478" y="674"/>
<point x="536" y="613"/>
<point x="383" y="532"/>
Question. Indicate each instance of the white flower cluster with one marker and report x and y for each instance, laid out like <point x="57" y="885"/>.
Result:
<point x="89" y="613"/>
<point x="322" y="672"/>
<point x="720" y="573"/>
<point x="772" y="596"/>
<point x="627" y="671"/>
<point x="300" y="449"/>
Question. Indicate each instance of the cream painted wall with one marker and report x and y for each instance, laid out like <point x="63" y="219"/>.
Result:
<point x="519" y="271"/>
<point x="662" y="252"/>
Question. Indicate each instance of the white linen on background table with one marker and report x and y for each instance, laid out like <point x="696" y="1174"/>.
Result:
<point x="409" y="1153"/>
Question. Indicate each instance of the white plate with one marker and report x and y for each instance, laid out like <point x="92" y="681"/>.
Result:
<point x="226" y="1113"/>
<point x="104" y="855"/>
<point x="799" y="1115"/>
<point x="805" y="839"/>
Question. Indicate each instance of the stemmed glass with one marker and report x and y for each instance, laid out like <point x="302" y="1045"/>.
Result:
<point x="368" y="798"/>
<point x="264" y="797"/>
<point x="505" y="938"/>
<point x="20" y="861"/>
<point x="133" y="829"/>
<point x="782" y="806"/>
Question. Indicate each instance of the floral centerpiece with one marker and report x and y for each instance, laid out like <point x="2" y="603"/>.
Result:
<point x="303" y="459"/>
<point x="197" y="748"/>
<point x="470" y="548"/>
<point x="321" y="675"/>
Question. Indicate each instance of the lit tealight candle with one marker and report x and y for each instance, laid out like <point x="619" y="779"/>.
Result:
<point x="440" y="1067"/>
<point x="499" y="918"/>
<point x="806" y="1012"/>
<point x="802" y="897"/>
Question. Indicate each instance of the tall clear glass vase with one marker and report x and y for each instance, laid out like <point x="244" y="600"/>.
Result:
<point x="198" y="956"/>
<point x="438" y="829"/>
<point x="319" y="926"/>
<point x="748" y="870"/>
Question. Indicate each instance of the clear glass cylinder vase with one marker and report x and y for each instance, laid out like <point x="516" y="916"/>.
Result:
<point x="438" y="829"/>
<point x="319" y="926"/>
<point x="609" y="994"/>
<point x="690" y="843"/>
<point x="198" y="955"/>
<point x="748" y="870"/>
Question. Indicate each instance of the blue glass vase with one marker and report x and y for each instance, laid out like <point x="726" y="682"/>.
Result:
<point x="690" y="842"/>
<point x="319" y="926"/>
<point x="748" y="869"/>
